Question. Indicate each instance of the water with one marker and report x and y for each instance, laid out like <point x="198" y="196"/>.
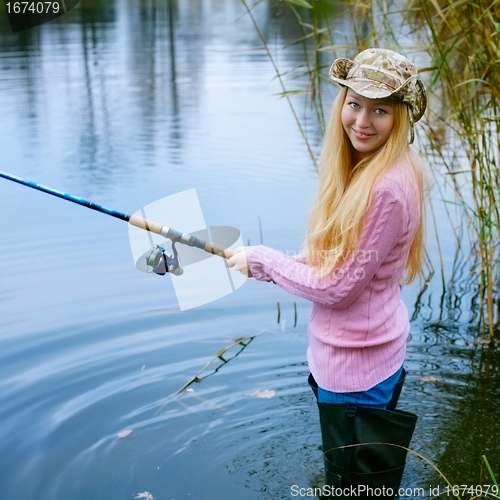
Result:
<point x="124" y="103"/>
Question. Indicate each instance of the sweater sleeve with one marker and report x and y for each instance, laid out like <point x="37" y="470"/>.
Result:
<point x="383" y="225"/>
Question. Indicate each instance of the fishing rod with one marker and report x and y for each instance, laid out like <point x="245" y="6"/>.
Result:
<point x="157" y="259"/>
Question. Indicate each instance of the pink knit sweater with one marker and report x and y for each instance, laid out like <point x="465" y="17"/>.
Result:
<point x="359" y="325"/>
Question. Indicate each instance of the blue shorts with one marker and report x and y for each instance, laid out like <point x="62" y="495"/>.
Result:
<point x="376" y="397"/>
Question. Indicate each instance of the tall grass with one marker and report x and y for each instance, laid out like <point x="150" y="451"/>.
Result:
<point x="463" y="45"/>
<point x="458" y="41"/>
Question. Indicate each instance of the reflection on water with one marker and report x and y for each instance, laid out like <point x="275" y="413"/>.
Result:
<point x="124" y="103"/>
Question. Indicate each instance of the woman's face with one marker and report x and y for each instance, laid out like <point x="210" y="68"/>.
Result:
<point x="367" y="122"/>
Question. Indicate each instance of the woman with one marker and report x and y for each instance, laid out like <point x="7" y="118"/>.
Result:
<point x="365" y="233"/>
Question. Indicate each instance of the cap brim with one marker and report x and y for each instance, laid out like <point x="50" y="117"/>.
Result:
<point x="416" y="98"/>
<point x="340" y="68"/>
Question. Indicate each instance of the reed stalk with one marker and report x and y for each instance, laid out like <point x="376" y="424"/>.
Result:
<point x="463" y="39"/>
<point x="460" y="41"/>
<point x="278" y="74"/>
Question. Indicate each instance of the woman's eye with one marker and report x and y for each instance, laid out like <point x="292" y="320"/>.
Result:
<point x="380" y="111"/>
<point x="354" y="105"/>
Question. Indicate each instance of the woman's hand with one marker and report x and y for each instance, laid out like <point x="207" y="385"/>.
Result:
<point x="239" y="260"/>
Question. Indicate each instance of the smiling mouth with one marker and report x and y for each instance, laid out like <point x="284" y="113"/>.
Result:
<point x="362" y="136"/>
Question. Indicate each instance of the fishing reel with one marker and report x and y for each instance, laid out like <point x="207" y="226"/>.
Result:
<point x="160" y="262"/>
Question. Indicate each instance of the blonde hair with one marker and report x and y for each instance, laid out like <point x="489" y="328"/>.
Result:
<point x="345" y="192"/>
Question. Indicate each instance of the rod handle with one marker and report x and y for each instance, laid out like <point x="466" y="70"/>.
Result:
<point x="146" y="224"/>
<point x="227" y="253"/>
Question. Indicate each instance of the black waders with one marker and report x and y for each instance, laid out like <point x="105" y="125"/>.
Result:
<point x="370" y="470"/>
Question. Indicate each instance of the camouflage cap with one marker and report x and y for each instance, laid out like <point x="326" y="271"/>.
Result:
<point x="379" y="73"/>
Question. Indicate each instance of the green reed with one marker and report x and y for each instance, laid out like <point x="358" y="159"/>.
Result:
<point x="459" y="42"/>
<point x="462" y="45"/>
